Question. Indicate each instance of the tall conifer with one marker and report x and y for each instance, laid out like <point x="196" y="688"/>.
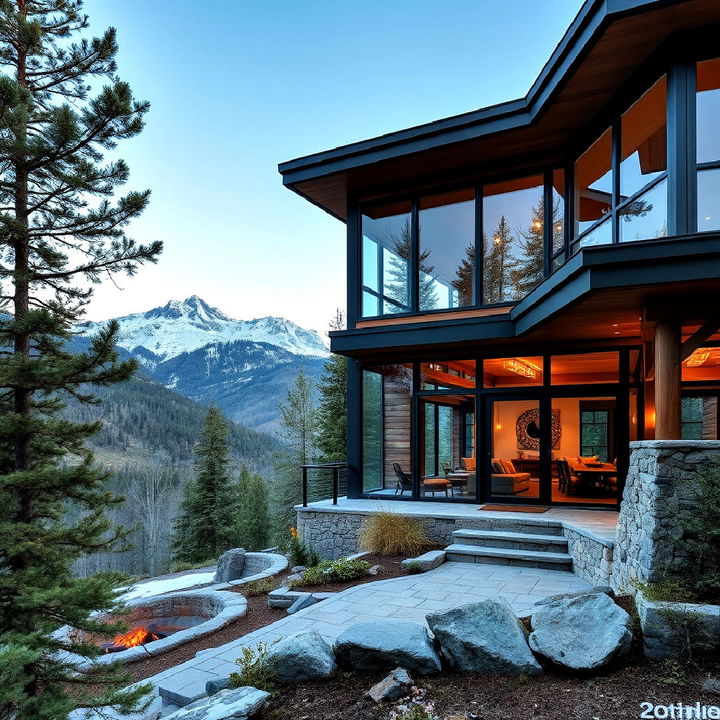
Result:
<point x="60" y="233"/>
<point x="206" y="526"/>
<point x="253" y="519"/>
<point x="332" y="409"/>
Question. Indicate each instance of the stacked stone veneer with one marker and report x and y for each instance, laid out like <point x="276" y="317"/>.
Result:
<point x="660" y="484"/>
<point x="333" y="533"/>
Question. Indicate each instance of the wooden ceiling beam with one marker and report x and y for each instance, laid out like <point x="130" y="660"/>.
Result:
<point x="699" y="337"/>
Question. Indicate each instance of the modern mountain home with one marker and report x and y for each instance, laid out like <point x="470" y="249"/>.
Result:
<point x="535" y="284"/>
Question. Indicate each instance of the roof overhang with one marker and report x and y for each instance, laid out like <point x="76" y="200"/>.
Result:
<point x="604" y="45"/>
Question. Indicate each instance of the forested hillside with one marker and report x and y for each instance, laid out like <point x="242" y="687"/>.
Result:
<point x="142" y="420"/>
<point x="147" y="440"/>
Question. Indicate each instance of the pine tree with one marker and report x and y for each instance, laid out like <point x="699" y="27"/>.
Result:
<point x="496" y="265"/>
<point x="207" y="521"/>
<point x="397" y="285"/>
<point x="332" y="410"/>
<point x="528" y="266"/>
<point x="298" y="422"/>
<point x="60" y="232"/>
<point x="464" y="281"/>
<point x="253" y="518"/>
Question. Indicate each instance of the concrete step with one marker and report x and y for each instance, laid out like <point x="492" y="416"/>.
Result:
<point x="527" y="524"/>
<point x="458" y="552"/>
<point x="511" y="540"/>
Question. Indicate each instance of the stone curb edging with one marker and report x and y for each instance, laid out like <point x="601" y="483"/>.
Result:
<point x="233" y="606"/>
<point x="667" y="627"/>
<point x="277" y="564"/>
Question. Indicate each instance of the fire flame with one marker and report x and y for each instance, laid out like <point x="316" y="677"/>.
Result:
<point x="138" y="636"/>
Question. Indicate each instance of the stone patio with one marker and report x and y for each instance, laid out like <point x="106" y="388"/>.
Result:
<point x="406" y="598"/>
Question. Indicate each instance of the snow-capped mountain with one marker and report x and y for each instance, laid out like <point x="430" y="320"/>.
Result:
<point x="183" y="326"/>
<point x="244" y="366"/>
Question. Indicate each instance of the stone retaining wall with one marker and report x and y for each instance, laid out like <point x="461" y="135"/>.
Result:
<point x="660" y="484"/>
<point x="592" y="556"/>
<point x="334" y="533"/>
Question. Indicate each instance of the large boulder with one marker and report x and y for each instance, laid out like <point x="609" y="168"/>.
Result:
<point x="586" y="632"/>
<point x="230" y="565"/>
<point x="240" y="704"/>
<point x="484" y="637"/>
<point x="386" y="644"/>
<point x="302" y="656"/>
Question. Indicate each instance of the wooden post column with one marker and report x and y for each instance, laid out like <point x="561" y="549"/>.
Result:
<point x="667" y="381"/>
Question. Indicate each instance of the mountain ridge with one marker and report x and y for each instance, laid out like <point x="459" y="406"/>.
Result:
<point x="179" y="326"/>
<point x="244" y="366"/>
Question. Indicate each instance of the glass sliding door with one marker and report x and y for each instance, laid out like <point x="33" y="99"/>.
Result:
<point x="514" y="441"/>
<point x="585" y="457"/>
<point x="447" y="447"/>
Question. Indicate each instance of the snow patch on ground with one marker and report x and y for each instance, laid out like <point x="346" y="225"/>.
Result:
<point x="166" y="585"/>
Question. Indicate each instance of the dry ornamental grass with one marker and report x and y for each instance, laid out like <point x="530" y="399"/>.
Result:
<point x="388" y="533"/>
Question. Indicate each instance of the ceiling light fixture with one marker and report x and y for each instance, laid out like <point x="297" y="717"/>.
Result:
<point x="522" y="367"/>
<point x="698" y="358"/>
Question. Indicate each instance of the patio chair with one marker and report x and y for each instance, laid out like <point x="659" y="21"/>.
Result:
<point x="403" y="481"/>
<point x="565" y="476"/>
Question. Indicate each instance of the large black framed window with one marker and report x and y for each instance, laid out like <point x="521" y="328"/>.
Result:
<point x="420" y="255"/>
<point x="707" y="99"/>
<point x="621" y="180"/>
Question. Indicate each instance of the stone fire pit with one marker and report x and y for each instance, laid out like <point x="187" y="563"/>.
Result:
<point x="175" y="618"/>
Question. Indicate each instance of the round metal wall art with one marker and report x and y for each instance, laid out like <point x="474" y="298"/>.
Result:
<point x="527" y="429"/>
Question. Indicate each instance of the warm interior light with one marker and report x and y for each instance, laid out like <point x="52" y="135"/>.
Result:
<point x="537" y="224"/>
<point x="699" y="357"/>
<point x="522" y="367"/>
<point x="498" y="426"/>
<point x="497" y="239"/>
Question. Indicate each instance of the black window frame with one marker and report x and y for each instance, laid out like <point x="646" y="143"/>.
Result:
<point x="676" y="59"/>
<point x="550" y="258"/>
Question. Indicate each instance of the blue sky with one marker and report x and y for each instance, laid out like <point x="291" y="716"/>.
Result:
<point x="238" y="86"/>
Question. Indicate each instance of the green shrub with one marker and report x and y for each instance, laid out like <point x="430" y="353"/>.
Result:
<point x="332" y="571"/>
<point x="700" y="543"/>
<point x="255" y="669"/>
<point x="665" y="591"/>
<point x="258" y="587"/>
<point x="298" y="554"/>
<point x="313" y="559"/>
<point x="413" y="567"/>
<point x="388" y="533"/>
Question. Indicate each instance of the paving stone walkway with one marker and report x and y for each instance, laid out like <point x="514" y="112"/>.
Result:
<point x="406" y="598"/>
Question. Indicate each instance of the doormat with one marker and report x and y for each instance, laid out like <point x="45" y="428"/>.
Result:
<point x="516" y="508"/>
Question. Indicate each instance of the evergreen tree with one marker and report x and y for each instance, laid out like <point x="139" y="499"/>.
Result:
<point x="298" y="420"/>
<point x="60" y="233"/>
<point x="464" y="281"/>
<point x="332" y="410"/>
<point x="206" y="525"/>
<point x="496" y="265"/>
<point x="527" y="267"/>
<point x="253" y="518"/>
<point x="398" y="284"/>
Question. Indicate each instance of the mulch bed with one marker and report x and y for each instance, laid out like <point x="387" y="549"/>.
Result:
<point x="390" y="568"/>
<point x="258" y="615"/>
<point x="614" y="696"/>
